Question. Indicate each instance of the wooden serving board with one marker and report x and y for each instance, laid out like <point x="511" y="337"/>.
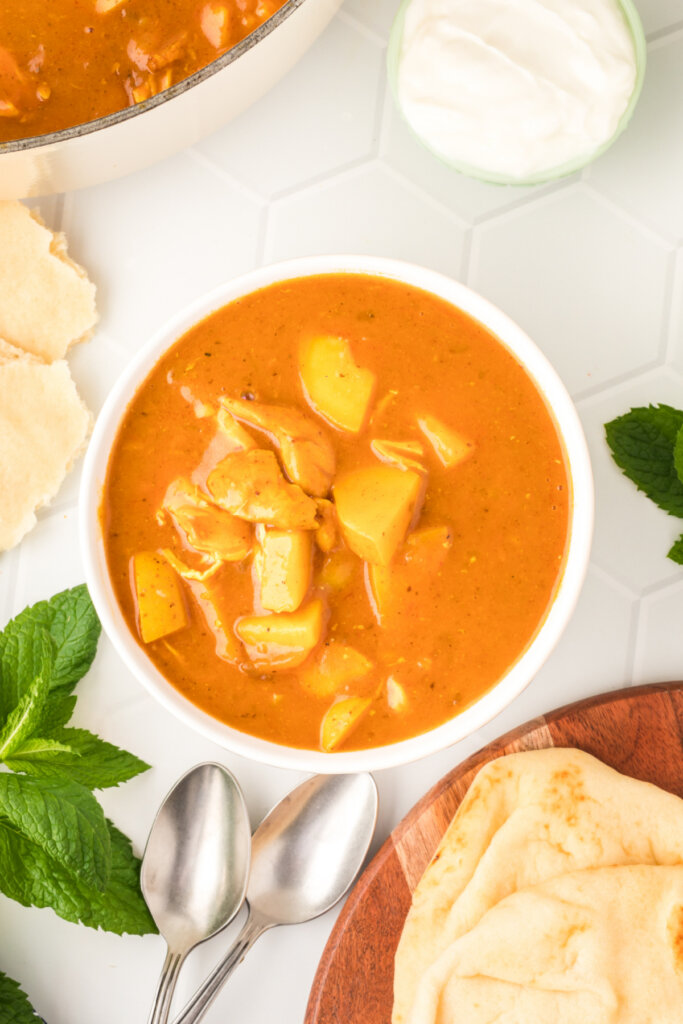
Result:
<point x="638" y="731"/>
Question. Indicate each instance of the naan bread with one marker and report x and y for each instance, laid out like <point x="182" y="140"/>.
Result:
<point x="601" y="946"/>
<point x="46" y="300"/>
<point x="43" y="427"/>
<point x="526" y="818"/>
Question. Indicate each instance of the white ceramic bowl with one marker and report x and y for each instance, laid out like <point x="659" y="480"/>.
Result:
<point x="514" y="680"/>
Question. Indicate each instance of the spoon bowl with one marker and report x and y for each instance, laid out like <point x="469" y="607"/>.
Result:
<point x="195" y="867"/>
<point x="308" y="850"/>
<point x="306" y="855"/>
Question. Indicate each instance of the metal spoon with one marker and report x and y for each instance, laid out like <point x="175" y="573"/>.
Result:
<point x="305" y="855"/>
<point x="195" y="867"/>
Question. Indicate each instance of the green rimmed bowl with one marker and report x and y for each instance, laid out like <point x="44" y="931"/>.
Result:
<point x="635" y="27"/>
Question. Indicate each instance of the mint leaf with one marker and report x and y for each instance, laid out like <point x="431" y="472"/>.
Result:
<point x="57" y="712"/>
<point x="22" y="658"/>
<point x="27" y="715"/>
<point x="70" y="619"/>
<point x="678" y="454"/>
<point x="642" y="443"/>
<point x="84" y="757"/>
<point x="31" y="877"/>
<point x="62" y="818"/>
<point x="14" y="1005"/>
<point x="676" y="551"/>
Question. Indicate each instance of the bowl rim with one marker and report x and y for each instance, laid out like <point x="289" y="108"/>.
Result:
<point x="513" y="681"/>
<point x="637" y="32"/>
<point x="35" y="142"/>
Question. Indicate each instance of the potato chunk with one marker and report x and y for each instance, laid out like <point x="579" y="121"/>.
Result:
<point x="306" y="450"/>
<point x="450" y="447"/>
<point x="375" y="506"/>
<point x="334" y="669"/>
<point x="338" y="389"/>
<point x="282" y="563"/>
<point x="160" y="602"/>
<point x="340" y="720"/>
<point x="283" y="640"/>
<point x="250" y="485"/>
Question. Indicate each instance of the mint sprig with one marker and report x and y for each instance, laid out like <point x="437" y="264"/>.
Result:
<point x="14" y="1005"/>
<point x="57" y="849"/>
<point x="647" y="445"/>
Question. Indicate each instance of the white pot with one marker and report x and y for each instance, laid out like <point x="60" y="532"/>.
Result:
<point x="137" y="136"/>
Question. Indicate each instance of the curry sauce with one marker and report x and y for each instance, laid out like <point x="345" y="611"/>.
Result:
<point x="336" y="574"/>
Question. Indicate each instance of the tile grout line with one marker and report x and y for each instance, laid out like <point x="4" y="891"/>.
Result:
<point x="351" y="19"/>
<point x="634" y="642"/>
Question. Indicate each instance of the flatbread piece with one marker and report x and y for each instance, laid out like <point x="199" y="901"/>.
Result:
<point x="43" y="427"/>
<point x="47" y="302"/>
<point x="526" y="818"/>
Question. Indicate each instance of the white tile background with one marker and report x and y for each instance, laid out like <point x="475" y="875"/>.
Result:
<point x="592" y="267"/>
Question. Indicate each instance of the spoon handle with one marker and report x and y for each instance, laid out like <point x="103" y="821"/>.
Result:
<point x="164" y="993"/>
<point x="208" y="990"/>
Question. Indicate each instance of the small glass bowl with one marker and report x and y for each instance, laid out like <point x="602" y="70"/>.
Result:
<point x="550" y="174"/>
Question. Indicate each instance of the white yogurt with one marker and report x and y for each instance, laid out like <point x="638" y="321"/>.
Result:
<point x="515" y="87"/>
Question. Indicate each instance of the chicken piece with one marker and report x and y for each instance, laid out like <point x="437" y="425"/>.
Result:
<point x="209" y="597"/>
<point x="338" y="389"/>
<point x="214" y="532"/>
<point x="282" y="563"/>
<point x="326" y="534"/>
<point x="17" y="94"/>
<point x="160" y="603"/>
<point x="340" y="720"/>
<point x="282" y="641"/>
<point x="450" y="447"/>
<point x="251" y="486"/>
<point x="233" y="432"/>
<point x="306" y="450"/>
<point x="215" y="20"/>
<point x="404" y="454"/>
<point x="206" y="528"/>
<point x="397" y="698"/>
<point x="333" y="670"/>
<point x="375" y="505"/>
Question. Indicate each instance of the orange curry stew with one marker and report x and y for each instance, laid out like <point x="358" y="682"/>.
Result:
<point x="67" y="62"/>
<point x="336" y="512"/>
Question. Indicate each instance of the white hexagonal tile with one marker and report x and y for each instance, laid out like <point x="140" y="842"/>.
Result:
<point x="660" y="15"/>
<point x="632" y="535"/>
<point x="644" y="168"/>
<point x="298" y="133"/>
<point x="52" y="545"/>
<point x="658" y="648"/>
<point x="586" y="283"/>
<point x="675" y="349"/>
<point x="154" y="241"/>
<point x="378" y="15"/>
<point x="473" y="200"/>
<point x="382" y="215"/>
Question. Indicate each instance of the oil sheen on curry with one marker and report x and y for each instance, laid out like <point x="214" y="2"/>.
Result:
<point x="336" y="512"/>
<point x="67" y="62"/>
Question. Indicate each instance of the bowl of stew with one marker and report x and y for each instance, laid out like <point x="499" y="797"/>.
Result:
<point x="337" y="513"/>
<point x="99" y="89"/>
